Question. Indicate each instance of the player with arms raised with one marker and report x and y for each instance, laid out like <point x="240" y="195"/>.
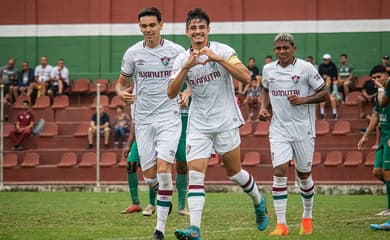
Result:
<point x="292" y="86"/>
<point x="157" y="118"/>
<point x="214" y="117"/>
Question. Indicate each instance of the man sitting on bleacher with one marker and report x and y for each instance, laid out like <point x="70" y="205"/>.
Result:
<point x="23" y="127"/>
<point x="104" y="127"/>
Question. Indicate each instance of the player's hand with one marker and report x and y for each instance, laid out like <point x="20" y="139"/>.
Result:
<point x="362" y="143"/>
<point x="183" y="102"/>
<point x="295" y="100"/>
<point x="210" y="54"/>
<point x="126" y="151"/>
<point x="377" y="84"/>
<point x="264" y="115"/>
<point x="194" y="59"/>
<point x="127" y="96"/>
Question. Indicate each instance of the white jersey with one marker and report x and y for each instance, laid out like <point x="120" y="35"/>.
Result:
<point x="213" y="107"/>
<point x="43" y="74"/>
<point x="64" y="74"/>
<point x="299" y="78"/>
<point x="150" y="69"/>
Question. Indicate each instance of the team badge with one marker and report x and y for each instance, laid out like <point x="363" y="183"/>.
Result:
<point x="295" y="79"/>
<point x="165" y="61"/>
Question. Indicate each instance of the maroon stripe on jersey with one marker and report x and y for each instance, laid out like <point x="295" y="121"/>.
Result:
<point x="116" y="11"/>
<point x="249" y="182"/>
<point x="308" y="190"/>
<point x="279" y="189"/>
<point x="195" y="187"/>
<point x="165" y="192"/>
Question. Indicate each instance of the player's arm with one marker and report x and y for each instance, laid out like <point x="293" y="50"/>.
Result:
<point x="321" y="95"/>
<point x="383" y="94"/>
<point x="233" y="65"/>
<point x="123" y="89"/>
<point x="371" y="126"/>
<point x="265" y="101"/>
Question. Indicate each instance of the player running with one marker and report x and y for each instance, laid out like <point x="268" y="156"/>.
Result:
<point x="214" y="117"/>
<point x="292" y="87"/>
<point x="157" y="118"/>
<point x="381" y="114"/>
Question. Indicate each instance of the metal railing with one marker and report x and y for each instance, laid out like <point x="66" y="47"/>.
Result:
<point x="1" y="136"/>
<point x="98" y="135"/>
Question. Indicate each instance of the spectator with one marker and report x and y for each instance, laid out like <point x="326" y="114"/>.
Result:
<point x="26" y="77"/>
<point x="9" y="77"/>
<point x="59" y="79"/>
<point x="121" y="126"/>
<point x="368" y="96"/>
<point x="253" y="99"/>
<point x="42" y="77"/>
<point x="23" y="127"/>
<point x="104" y="127"/>
<point x="268" y="59"/>
<point x="345" y="75"/>
<point x="310" y="59"/>
<point x="328" y="71"/>
<point x="254" y="70"/>
<point x="385" y="63"/>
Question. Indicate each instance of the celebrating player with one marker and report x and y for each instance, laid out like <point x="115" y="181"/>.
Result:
<point x="381" y="114"/>
<point x="290" y="85"/>
<point x="157" y="118"/>
<point x="214" y="117"/>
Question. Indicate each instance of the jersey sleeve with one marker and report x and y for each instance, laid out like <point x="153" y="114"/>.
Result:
<point x="229" y="54"/>
<point x="177" y="65"/>
<point x="315" y="80"/>
<point x="265" y="81"/>
<point x="127" y="68"/>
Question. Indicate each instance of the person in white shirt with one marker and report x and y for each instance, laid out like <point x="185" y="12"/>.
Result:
<point x="42" y="77"/>
<point x="157" y="118"/>
<point x="292" y="86"/>
<point x="59" y="79"/>
<point x="214" y="117"/>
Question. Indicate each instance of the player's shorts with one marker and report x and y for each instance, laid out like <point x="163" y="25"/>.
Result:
<point x="133" y="155"/>
<point x="157" y="140"/>
<point x="301" y="152"/>
<point x="382" y="156"/>
<point x="181" y="148"/>
<point x="202" y="145"/>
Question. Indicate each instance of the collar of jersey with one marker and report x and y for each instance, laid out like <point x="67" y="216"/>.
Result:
<point x="293" y="61"/>
<point x="161" y="43"/>
<point x="191" y="49"/>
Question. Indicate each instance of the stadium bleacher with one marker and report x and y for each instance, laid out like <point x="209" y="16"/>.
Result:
<point x="59" y="154"/>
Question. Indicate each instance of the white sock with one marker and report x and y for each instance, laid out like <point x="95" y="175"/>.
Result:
<point x="196" y="197"/>
<point x="164" y="198"/>
<point x="322" y="110"/>
<point x="248" y="184"/>
<point x="307" y="195"/>
<point x="279" y="194"/>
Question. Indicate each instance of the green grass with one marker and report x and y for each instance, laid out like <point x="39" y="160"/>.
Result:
<point x="86" y="215"/>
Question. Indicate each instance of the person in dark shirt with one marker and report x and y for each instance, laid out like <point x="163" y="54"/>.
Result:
<point x="26" y="77"/>
<point x="104" y="127"/>
<point x="23" y="127"/>
<point x="368" y="95"/>
<point x="328" y="71"/>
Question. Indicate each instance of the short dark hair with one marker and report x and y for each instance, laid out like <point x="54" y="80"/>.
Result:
<point x="61" y="59"/>
<point x="310" y="56"/>
<point x="25" y="61"/>
<point x="119" y="106"/>
<point x="197" y="13"/>
<point x="150" y="11"/>
<point x="378" y="69"/>
<point x="252" y="58"/>
<point x="344" y="55"/>
<point x="268" y="56"/>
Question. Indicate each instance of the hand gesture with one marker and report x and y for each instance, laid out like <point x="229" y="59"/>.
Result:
<point x="264" y="115"/>
<point x="295" y="100"/>
<point x="362" y="143"/>
<point x="378" y="84"/>
<point x="127" y="96"/>
<point x="195" y="59"/>
<point x="210" y="54"/>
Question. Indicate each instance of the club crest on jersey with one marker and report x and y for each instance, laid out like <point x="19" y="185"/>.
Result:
<point x="165" y="61"/>
<point x="295" y="79"/>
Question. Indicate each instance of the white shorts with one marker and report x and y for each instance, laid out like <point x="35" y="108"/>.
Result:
<point x="202" y="145"/>
<point x="301" y="152"/>
<point x="157" y="140"/>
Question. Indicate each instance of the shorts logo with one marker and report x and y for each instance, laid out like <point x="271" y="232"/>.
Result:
<point x="165" y="61"/>
<point x="295" y="79"/>
<point x="188" y="148"/>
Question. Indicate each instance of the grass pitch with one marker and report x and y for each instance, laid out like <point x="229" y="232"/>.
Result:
<point x="86" y="215"/>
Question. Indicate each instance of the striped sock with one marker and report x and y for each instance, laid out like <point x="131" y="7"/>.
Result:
<point x="307" y="195"/>
<point x="279" y="195"/>
<point x="164" y="199"/>
<point x="196" y="197"/>
<point x="248" y="184"/>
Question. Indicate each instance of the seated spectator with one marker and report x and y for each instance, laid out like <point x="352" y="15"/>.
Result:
<point x="254" y="70"/>
<point x="345" y="76"/>
<point x="253" y="99"/>
<point x="368" y="96"/>
<point x="386" y="64"/>
<point x="121" y="126"/>
<point x="104" y="127"/>
<point x="9" y="77"/>
<point x="42" y="77"/>
<point x="328" y="71"/>
<point x="268" y="59"/>
<point x="59" y="79"/>
<point x="26" y="77"/>
<point x="310" y="59"/>
<point x="23" y="127"/>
